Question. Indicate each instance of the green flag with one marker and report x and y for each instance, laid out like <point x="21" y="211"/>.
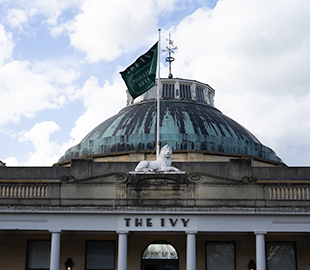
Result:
<point x="140" y="76"/>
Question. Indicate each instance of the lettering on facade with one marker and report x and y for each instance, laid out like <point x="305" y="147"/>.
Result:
<point x="148" y="222"/>
<point x="160" y="253"/>
<point x="136" y="65"/>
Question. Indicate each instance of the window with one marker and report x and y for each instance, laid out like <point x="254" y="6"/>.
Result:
<point x="199" y="94"/>
<point x="185" y="91"/>
<point x="100" y="255"/>
<point x="281" y="255"/>
<point x="38" y="254"/>
<point x="220" y="255"/>
<point x="168" y="91"/>
<point x="160" y="255"/>
<point x="160" y="251"/>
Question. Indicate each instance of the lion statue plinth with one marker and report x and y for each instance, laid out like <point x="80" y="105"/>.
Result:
<point x="162" y="164"/>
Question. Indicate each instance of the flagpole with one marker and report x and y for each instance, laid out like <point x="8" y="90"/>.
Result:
<point x="158" y="95"/>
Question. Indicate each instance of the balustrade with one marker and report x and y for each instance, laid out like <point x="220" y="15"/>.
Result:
<point x="16" y="191"/>
<point x="296" y="193"/>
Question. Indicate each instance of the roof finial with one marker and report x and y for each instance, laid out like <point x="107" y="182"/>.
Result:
<point x="170" y="50"/>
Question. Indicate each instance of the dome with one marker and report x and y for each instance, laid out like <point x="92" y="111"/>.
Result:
<point x="185" y="125"/>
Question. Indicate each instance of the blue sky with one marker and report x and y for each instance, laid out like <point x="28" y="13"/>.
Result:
<point x="60" y="62"/>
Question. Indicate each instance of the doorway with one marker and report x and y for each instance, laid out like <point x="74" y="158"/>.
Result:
<point x="160" y="265"/>
<point x="160" y="255"/>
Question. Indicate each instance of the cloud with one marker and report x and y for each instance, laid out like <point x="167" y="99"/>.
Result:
<point x="256" y="55"/>
<point x="46" y="152"/>
<point x="246" y="38"/>
<point x="40" y="85"/>
<point x="21" y="13"/>
<point x="36" y="89"/>
<point x="100" y="103"/>
<point x="103" y="30"/>
<point x="6" y="45"/>
<point x="19" y="18"/>
<point x="97" y="108"/>
<point x="56" y="73"/>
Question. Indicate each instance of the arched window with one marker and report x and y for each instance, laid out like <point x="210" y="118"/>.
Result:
<point x="160" y="255"/>
<point x="162" y="251"/>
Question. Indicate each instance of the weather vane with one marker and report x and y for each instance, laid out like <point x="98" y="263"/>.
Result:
<point x="170" y="49"/>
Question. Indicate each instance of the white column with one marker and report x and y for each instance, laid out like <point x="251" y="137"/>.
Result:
<point x="260" y="251"/>
<point x="193" y="90"/>
<point x="177" y="89"/>
<point x="122" y="250"/>
<point x="55" y="250"/>
<point x="191" y="250"/>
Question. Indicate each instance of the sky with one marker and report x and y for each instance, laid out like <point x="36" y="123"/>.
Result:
<point x="60" y="62"/>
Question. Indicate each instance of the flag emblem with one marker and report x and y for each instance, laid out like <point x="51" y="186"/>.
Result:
<point x="140" y="75"/>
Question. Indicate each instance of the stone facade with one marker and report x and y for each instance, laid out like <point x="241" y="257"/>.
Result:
<point x="233" y="201"/>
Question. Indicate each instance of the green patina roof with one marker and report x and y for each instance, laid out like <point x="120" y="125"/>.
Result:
<point x="184" y="125"/>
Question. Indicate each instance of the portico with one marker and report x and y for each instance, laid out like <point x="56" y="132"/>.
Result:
<point x="188" y="233"/>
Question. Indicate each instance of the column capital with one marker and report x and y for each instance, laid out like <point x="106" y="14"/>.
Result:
<point x="260" y="233"/>
<point x="55" y="231"/>
<point x="122" y="232"/>
<point x="191" y="232"/>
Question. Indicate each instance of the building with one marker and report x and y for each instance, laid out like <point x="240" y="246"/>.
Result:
<point x="234" y="206"/>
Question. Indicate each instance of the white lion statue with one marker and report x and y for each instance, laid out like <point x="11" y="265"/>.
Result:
<point x="162" y="164"/>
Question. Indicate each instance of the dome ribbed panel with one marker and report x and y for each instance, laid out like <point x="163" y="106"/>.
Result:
<point x="183" y="125"/>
